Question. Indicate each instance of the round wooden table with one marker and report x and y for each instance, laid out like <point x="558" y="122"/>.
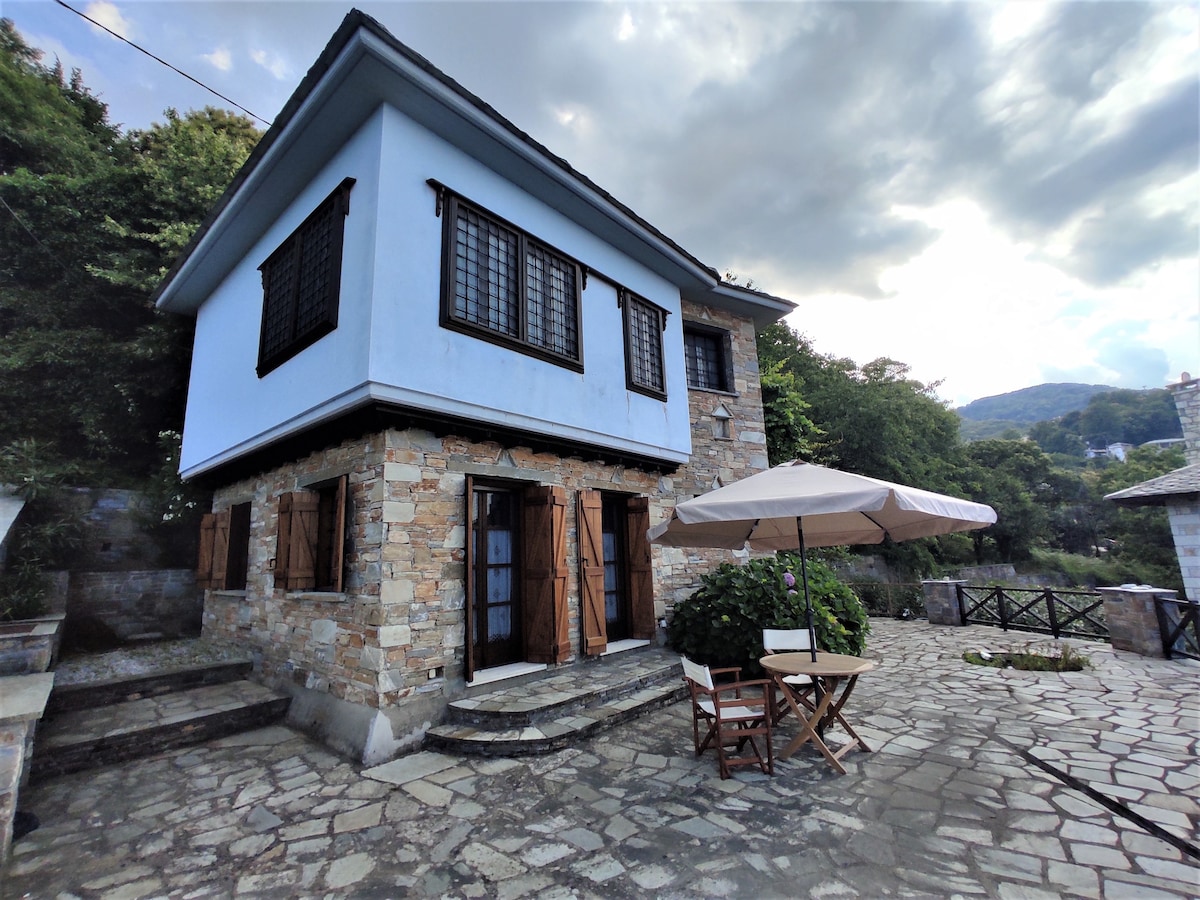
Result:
<point x="829" y="672"/>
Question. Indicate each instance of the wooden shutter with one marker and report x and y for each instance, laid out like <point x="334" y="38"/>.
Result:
<point x="589" y="511"/>
<point x="220" y="550"/>
<point x="544" y="575"/>
<point x="641" y="568"/>
<point x="204" y="561"/>
<point x="296" y="550"/>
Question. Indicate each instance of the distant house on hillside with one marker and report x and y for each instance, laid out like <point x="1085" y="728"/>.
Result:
<point x="1117" y="451"/>
<point x="1164" y="444"/>
<point x="442" y="385"/>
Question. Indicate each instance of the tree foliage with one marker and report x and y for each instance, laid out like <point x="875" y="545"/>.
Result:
<point x="90" y="220"/>
<point x="876" y="420"/>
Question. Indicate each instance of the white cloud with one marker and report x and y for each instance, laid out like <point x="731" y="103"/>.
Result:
<point x="220" y="59"/>
<point x="273" y="63"/>
<point x="110" y="17"/>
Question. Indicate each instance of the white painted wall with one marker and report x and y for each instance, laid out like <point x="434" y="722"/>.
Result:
<point x="389" y="344"/>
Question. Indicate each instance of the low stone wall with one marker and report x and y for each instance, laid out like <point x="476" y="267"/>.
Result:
<point x="30" y="646"/>
<point x="162" y="602"/>
<point x="22" y="702"/>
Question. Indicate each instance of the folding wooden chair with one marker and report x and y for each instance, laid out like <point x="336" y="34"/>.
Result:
<point x="735" y="715"/>
<point x="781" y="640"/>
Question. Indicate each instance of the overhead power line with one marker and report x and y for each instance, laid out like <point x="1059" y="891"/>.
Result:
<point x="157" y="59"/>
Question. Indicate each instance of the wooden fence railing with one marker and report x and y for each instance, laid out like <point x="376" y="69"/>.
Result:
<point x="1179" y="623"/>
<point x="1042" y="610"/>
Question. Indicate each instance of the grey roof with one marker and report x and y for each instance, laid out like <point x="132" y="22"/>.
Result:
<point x="1179" y="484"/>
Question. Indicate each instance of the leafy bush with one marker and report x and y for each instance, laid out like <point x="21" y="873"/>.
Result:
<point x="721" y="624"/>
<point x="43" y="537"/>
<point x="906" y="601"/>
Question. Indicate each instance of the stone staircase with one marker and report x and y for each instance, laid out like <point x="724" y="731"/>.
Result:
<point x="556" y="709"/>
<point x="95" y="723"/>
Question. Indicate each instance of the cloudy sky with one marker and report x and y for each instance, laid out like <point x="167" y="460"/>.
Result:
<point x="998" y="195"/>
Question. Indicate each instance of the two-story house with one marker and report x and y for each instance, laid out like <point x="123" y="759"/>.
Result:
<point x="441" y="386"/>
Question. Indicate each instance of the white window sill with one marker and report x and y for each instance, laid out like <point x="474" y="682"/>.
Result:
<point x="318" y="596"/>
<point x="500" y="673"/>
<point x="622" y="646"/>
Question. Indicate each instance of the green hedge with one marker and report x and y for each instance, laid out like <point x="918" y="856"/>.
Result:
<point x="721" y="624"/>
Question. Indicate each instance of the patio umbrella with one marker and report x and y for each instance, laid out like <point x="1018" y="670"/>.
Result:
<point x="795" y="504"/>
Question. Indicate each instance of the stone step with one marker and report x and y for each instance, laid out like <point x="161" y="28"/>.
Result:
<point x="85" y="739"/>
<point x="560" y="692"/>
<point x="92" y="694"/>
<point x="549" y="735"/>
<point x="563" y="706"/>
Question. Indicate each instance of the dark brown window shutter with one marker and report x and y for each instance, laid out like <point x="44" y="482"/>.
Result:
<point x="641" y="568"/>
<point x="544" y="575"/>
<point x="220" y="550"/>
<point x="204" y="561"/>
<point x="589" y="510"/>
<point x="296" y="549"/>
<point x="302" y="541"/>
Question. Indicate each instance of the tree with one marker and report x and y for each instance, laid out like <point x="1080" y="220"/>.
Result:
<point x="1008" y="476"/>
<point x="90" y="370"/>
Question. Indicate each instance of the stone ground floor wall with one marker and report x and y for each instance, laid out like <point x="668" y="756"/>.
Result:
<point x="372" y="667"/>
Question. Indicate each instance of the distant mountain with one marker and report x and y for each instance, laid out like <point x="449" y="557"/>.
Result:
<point x="1039" y="403"/>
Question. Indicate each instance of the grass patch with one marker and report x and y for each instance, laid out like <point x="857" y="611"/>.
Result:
<point x="1047" y="658"/>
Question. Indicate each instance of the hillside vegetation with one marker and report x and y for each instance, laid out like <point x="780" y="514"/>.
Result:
<point x="1033" y="404"/>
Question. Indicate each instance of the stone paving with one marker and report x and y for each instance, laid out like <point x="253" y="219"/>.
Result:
<point x="984" y="783"/>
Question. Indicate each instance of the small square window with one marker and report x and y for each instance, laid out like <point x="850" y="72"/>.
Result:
<point x="644" y="324"/>
<point x="706" y="358"/>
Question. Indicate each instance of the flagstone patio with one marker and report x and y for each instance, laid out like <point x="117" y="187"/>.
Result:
<point x="985" y="782"/>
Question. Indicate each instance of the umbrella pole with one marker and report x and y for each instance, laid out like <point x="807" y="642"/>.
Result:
<point x="808" y="613"/>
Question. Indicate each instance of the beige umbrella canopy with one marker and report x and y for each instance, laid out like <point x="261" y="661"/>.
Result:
<point x="796" y="504"/>
<point x="834" y="508"/>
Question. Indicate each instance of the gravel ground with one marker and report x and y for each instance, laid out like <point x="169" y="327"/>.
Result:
<point x="141" y="659"/>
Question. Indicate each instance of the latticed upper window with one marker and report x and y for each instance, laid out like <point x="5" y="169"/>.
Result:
<point x="644" y="323"/>
<point x="509" y="288"/>
<point x="705" y="359"/>
<point x="301" y="280"/>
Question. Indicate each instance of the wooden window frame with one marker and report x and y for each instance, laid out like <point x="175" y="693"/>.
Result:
<point x="449" y="205"/>
<point x="629" y="303"/>
<point x="541" y="569"/>
<point x="285" y="304"/>
<point x="311" y="538"/>
<point x="692" y="330"/>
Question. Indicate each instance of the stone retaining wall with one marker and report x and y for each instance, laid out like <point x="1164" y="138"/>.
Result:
<point x="162" y="602"/>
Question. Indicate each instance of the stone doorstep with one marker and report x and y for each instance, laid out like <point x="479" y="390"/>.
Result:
<point x="530" y="740"/>
<point x="551" y="697"/>
<point x="92" y="694"/>
<point x="141" y="728"/>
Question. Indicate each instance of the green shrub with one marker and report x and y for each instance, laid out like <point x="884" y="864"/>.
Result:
<point x="721" y="624"/>
<point x="43" y="537"/>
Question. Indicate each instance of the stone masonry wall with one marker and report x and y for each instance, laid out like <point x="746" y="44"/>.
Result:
<point x="1186" y="395"/>
<point x="715" y="461"/>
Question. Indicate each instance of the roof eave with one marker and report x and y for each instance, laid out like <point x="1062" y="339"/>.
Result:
<point x="360" y="37"/>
